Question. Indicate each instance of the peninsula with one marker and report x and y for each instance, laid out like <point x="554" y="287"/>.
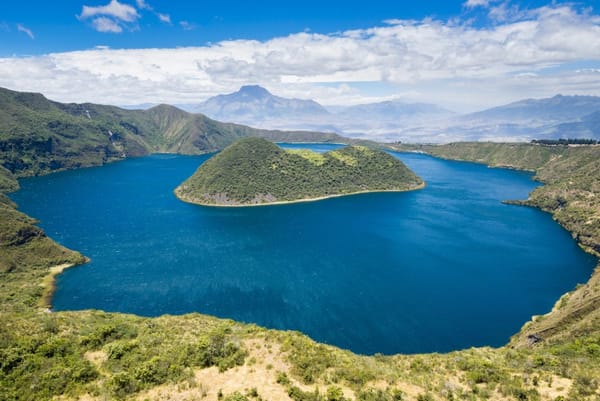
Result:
<point x="254" y="171"/>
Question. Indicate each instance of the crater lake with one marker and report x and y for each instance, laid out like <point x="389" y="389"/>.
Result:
<point x="442" y="268"/>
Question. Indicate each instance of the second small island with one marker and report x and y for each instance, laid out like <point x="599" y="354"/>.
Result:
<point x="254" y="171"/>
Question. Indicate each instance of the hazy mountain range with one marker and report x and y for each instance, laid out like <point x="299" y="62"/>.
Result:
<point x="550" y="118"/>
<point x="390" y="121"/>
<point x="556" y="109"/>
<point x="254" y="105"/>
<point x="556" y="117"/>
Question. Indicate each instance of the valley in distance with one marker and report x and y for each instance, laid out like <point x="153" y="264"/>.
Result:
<point x="254" y="171"/>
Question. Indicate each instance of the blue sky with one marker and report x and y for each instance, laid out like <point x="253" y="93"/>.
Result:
<point x="461" y="54"/>
<point x="55" y="26"/>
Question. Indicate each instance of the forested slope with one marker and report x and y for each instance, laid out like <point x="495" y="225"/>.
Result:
<point x="255" y="171"/>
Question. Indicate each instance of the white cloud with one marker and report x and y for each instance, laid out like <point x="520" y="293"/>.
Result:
<point x="166" y="18"/>
<point x="113" y="17"/>
<point x="440" y="62"/>
<point x="476" y="3"/>
<point x="506" y="12"/>
<point x="142" y="5"/>
<point x="123" y="12"/>
<point x="26" y="31"/>
<point x="104" y="24"/>
<point x="187" y="26"/>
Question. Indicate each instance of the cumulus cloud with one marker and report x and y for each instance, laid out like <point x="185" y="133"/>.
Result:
<point x="142" y="5"/>
<point x="26" y="31"/>
<point x="166" y="18"/>
<point x="112" y="17"/>
<point x="437" y="61"/>
<point x="476" y="3"/>
<point x="103" y="24"/>
<point x="507" y="12"/>
<point x="123" y="12"/>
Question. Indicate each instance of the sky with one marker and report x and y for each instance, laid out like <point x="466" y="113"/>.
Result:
<point x="464" y="55"/>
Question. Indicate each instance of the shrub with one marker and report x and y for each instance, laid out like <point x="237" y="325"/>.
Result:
<point x="236" y="397"/>
<point x="309" y="360"/>
<point x="335" y="393"/>
<point x="371" y="394"/>
<point x="216" y="350"/>
<point x="584" y="385"/>
<point x="297" y="394"/>
<point x="55" y="347"/>
<point x="107" y="333"/>
<point x="514" y="388"/>
<point x="157" y="371"/>
<point x="282" y="378"/>
<point x="117" y="350"/>
<point x="122" y="384"/>
<point x="420" y="366"/>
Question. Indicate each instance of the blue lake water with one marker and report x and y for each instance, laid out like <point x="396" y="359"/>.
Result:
<point x="442" y="268"/>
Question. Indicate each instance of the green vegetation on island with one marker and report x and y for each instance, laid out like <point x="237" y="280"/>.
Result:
<point x="255" y="171"/>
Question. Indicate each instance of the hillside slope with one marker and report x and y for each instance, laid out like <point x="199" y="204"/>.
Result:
<point x="38" y="135"/>
<point x="255" y="171"/>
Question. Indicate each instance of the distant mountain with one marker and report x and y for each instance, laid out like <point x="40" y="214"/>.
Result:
<point x="255" y="106"/>
<point x="39" y="135"/>
<point x="387" y="120"/>
<point x="587" y="127"/>
<point x="253" y="103"/>
<point x="551" y="110"/>
<point x="551" y="118"/>
<point x="396" y="110"/>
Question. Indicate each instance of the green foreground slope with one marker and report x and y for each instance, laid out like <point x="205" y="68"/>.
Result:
<point x="255" y="171"/>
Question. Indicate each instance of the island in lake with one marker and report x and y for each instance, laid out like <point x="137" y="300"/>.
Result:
<point x="254" y="171"/>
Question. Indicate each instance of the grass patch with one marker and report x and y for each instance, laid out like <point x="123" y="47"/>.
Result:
<point x="314" y="157"/>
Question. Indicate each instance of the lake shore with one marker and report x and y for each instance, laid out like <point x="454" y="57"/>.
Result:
<point x="304" y="200"/>
<point x="49" y="283"/>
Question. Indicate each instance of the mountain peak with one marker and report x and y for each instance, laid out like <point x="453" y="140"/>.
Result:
<point x="254" y="91"/>
<point x="252" y="104"/>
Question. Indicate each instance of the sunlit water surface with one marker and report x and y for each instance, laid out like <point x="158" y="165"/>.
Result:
<point x="442" y="268"/>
